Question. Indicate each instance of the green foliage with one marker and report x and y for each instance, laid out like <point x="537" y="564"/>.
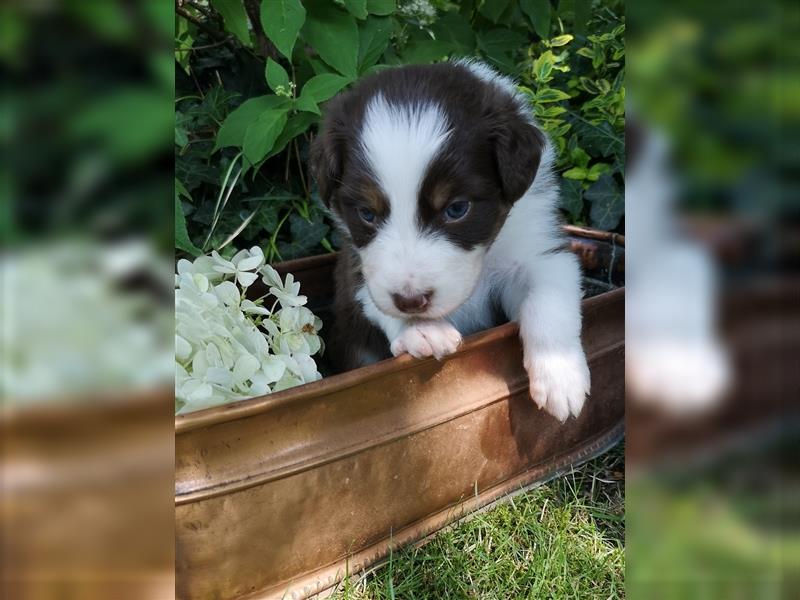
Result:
<point x="562" y="540"/>
<point x="251" y="89"/>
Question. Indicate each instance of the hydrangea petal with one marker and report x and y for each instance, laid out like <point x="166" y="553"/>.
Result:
<point x="246" y="279"/>
<point x="245" y="367"/>
<point x="228" y="293"/>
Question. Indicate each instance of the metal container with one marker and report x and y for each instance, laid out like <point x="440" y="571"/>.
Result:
<point x="282" y="496"/>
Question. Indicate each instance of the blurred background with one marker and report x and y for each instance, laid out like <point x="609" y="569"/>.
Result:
<point x="86" y="365"/>
<point x="87" y="183"/>
<point x="713" y="330"/>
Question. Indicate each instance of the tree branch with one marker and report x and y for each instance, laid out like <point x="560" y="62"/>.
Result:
<point x="265" y="48"/>
<point x="217" y="35"/>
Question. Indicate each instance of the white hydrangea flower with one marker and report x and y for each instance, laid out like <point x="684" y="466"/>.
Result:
<point x="229" y="347"/>
<point x="73" y="330"/>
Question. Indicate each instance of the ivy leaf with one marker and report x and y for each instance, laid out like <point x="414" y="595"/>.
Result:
<point x="373" y="38"/>
<point x="282" y="20"/>
<point x="277" y="77"/>
<point x="306" y="235"/>
<point x="235" y="125"/>
<point x="538" y="12"/>
<point x="493" y="9"/>
<point x="572" y="198"/>
<point x="318" y="89"/>
<point x="381" y="7"/>
<point x="180" y="190"/>
<point x="597" y="170"/>
<point x="262" y="133"/>
<point x="334" y="35"/>
<point x="599" y="139"/>
<point x="575" y="173"/>
<point x="234" y="17"/>
<point x="181" y="134"/>
<point x="357" y="8"/>
<point x="579" y="157"/>
<point x="608" y="203"/>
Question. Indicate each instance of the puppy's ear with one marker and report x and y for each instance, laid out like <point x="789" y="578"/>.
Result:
<point x="326" y="158"/>
<point x="518" y="149"/>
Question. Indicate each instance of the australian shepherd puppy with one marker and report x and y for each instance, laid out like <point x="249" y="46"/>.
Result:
<point x="443" y="188"/>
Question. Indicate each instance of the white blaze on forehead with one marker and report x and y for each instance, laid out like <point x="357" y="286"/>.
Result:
<point x="399" y="142"/>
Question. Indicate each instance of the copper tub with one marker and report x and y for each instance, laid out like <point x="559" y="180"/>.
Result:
<point x="282" y="496"/>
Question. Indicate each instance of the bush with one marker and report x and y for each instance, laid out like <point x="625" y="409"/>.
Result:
<point x="252" y="78"/>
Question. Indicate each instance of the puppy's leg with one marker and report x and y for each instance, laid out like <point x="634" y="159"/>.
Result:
<point x="545" y="299"/>
<point x="420" y="338"/>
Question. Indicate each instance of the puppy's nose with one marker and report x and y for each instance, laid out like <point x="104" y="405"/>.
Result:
<point x="415" y="303"/>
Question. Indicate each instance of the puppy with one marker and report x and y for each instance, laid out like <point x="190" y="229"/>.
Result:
<point x="442" y="186"/>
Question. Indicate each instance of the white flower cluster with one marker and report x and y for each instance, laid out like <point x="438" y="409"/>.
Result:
<point x="229" y="347"/>
<point x="73" y="329"/>
<point x="421" y="10"/>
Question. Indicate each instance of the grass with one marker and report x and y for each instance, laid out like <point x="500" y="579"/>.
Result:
<point x="565" y="539"/>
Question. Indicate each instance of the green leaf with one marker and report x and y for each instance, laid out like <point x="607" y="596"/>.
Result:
<point x="572" y="198"/>
<point x="538" y="12"/>
<point x="381" y="7"/>
<point x="550" y="95"/>
<point x="597" y="170"/>
<point x="582" y="10"/>
<point x="543" y="66"/>
<point x="454" y="28"/>
<point x="106" y="121"/>
<point x="180" y="190"/>
<point x="282" y="20"/>
<point x="599" y="139"/>
<point x="492" y="9"/>
<point x="579" y="157"/>
<point x="235" y="18"/>
<point x="501" y="40"/>
<point x="357" y="8"/>
<point x="235" y="125"/>
<point x="426" y="51"/>
<point x="182" y="241"/>
<point x="334" y="35"/>
<point x="550" y="112"/>
<point x="296" y="125"/>
<point x="305" y="235"/>
<point x="262" y="133"/>
<point x="373" y="38"/>
<point x="496" y="44"/>
<point x="318" y="89"/>
<point x="608" y="203"/>
<point x="277" y="77"/>
<point x="181" y="135"/>
<point x="576" y="173"/>
<point x="561" y="40"/>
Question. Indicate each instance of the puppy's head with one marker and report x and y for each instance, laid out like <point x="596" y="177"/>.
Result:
<point x="420" y="166"/>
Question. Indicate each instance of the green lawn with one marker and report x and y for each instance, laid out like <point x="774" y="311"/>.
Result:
<point x="565" y="539"/>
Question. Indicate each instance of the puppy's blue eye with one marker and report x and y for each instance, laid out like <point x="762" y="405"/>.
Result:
<point x="456" y="210"/>
<point x="366" y="215"/>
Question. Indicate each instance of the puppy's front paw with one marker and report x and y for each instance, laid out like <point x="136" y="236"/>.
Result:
<point x="427" y="338"/>
<point x="681" y="377"/>
<point x="559" y="380"/>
